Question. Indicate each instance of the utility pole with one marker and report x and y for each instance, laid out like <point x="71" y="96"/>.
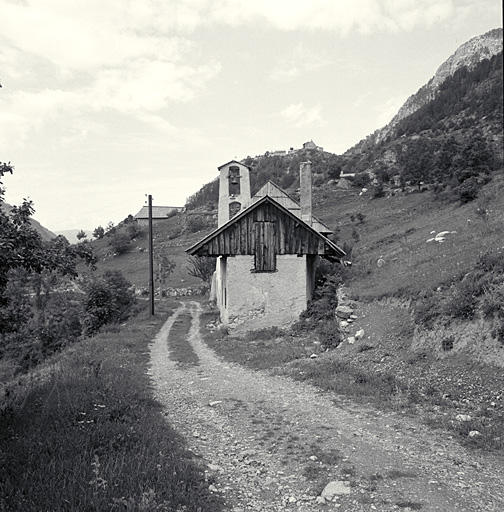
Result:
<point x="151" y="259"/>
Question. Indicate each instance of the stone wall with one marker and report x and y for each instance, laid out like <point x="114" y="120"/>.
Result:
<point x="265" y="299"/>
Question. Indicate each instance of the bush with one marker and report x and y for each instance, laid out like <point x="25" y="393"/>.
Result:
<point x="361" y="179"/>
<point x="196" y="223"/>
<point x="468" y="190"/>
<point x="120" y="243"/>
<point x="135" y="230"/>
<point x="329" y="333"/>
<point x="109" y="299"/>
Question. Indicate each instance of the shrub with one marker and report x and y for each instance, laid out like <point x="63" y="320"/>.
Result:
<point x="120" y="243"/>
<point x="468" y="190"/>
<point x="196" y="223"/>
<point x="109" y="299"/>
<point x="361" y="179"/>
<point x="462" y="303"/>
<point x="202" y="267"/>
<point x="426" y="309"/>
<point x="329" y="333"/>
<point x="135" y="230"/>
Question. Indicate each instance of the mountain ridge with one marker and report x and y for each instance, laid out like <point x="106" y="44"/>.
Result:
<point x="469" y="54"/>
<point x="45" y="233"/>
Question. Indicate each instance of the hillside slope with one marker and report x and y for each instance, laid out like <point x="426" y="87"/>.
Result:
<point x="44" y="232"/>
<point x="468" y="55"/>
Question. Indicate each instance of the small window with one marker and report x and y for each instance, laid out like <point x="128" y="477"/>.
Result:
<point x="265" y="247"/>
<point x="234" y="180"/>
<point x="234" y="208"/>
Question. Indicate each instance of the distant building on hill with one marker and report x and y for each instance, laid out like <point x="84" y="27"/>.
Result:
<point x="311" y="145"/>
<point x="159" y="213"/>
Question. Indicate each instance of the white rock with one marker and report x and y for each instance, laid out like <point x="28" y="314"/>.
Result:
<point x="359" y="334"/>
<point x="335" y="488"/>
<point x="313" y="356"/>
<point x="351" y="340"/>
<point x="474" y="433"/>
<point x="214" y="467"/>
<point x="463" y="417"/>
<point x="214" y="403"/>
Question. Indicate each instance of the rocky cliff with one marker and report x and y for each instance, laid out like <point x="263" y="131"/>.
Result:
<point x="469" y="54"/>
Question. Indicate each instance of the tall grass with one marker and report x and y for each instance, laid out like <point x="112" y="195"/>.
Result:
<point x="90" y="437"/>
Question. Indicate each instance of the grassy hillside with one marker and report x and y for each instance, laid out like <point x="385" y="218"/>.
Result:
<point x="172" y="237"/>
<point x="390" y="252"/>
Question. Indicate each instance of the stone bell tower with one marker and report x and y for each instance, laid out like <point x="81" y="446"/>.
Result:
<point x="234" y="190"/>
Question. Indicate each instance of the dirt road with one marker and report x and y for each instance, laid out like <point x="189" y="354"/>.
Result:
<point x="270" y="443"/>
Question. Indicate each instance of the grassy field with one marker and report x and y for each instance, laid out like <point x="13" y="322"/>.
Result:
<point x="88" y="436"/>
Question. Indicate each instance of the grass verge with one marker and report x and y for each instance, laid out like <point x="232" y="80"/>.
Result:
<point x="90" y="436"/>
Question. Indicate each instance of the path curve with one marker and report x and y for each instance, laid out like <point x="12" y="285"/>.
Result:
<point x="270" y="443"/>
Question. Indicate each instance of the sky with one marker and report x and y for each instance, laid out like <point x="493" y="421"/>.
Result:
<point x="103" y="103"/>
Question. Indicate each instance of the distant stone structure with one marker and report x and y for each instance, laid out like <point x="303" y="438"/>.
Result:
<point x="159" y="213"/>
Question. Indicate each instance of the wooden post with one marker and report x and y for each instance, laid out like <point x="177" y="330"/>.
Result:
<point x="151" y="259"/>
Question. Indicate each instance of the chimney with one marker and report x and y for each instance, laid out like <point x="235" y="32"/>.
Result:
<point x="305" y="184"/>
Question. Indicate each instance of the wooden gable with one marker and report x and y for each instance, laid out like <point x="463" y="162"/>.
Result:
<point x="265" y="229"/>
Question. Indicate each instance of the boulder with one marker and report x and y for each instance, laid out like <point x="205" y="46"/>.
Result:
<point x="335" y="488"/>
<point x="344" y="312"/>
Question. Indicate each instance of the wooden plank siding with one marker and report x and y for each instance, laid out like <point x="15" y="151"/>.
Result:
<point x="280" y="234"/>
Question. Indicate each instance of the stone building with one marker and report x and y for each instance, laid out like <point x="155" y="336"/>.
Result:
<point x="267" y="250"/>
<point x="159" y="214"/>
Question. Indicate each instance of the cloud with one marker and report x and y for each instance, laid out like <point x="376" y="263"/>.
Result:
<point x="302" y="60"/>
<point x="300" y="116"/>
<point x="342" y="15"/>
<point x="62" y="59"/>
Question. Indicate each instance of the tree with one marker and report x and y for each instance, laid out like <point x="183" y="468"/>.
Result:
<point x="202" y="267"/>
<point x="120" y="243"/>
<point x="99" y="233"/>
<point x="109" y="299"/>
<point x="164" y="267"/>
<point x="22" y="247"/>
<point x="334" y="170"/>
<point x="29" y="264"/>
<point x="81" y="234"/>
<point x="417" y="162"/>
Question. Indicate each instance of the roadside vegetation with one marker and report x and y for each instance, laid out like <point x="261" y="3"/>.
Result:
<point x="84" y="433"/>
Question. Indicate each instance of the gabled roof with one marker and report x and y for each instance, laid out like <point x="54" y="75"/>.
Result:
<point x="280" y="196"/>
<point x="158" y="212"/>
<point x="233" y="162"/>
<point x="333" y="248"/>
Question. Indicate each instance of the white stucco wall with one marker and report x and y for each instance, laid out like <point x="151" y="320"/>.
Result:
<point x="265" y="299"/>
